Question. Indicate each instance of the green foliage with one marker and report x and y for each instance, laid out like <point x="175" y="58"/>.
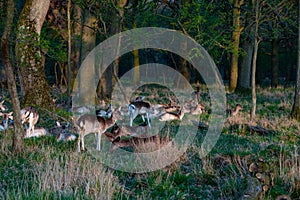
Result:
<point x="54" y="45"/>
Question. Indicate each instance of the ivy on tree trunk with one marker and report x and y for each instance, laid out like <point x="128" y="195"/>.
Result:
<point x="29" y="57"/>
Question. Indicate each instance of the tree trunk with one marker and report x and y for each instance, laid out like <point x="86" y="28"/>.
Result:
<point x="245" y="67"/>
<point x="296" y="106"/>
<point x="105" y="87"/>
<point x="236" y="42"/>
<point x="18" y="143"/>
<point x="275" y="63"/>
<point x="136" y="63"/>
<point x="69" y="48"/>
<point x="88" y="44"/>
<point x="256" y="42"/>
<point x="29" y="56"/>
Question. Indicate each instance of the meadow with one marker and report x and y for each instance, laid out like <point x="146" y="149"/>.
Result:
<point x="244" y="164"/>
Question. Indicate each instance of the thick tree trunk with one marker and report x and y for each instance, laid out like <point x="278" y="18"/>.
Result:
<point x="88" y="44"/>
<point x="29" y="56"/>
<point x="18" y="143"/>
<point x="275" y="63"/>
<point x="245" y="67"/>
<point x="296" y="106"/>
<point x="236" y="42"/>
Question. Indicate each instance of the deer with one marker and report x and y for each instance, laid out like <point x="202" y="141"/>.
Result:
<point x="37" y="133"/>
<point x="126" y="130"/>
<point x="91" y="123"/>
<point x="169" y="116"/>
<point x="60" y="131"/>
<point x="235" y="111"/>
<point x="139" y="107"/>
<point x="5" y="120"/>
<point x="65" y="137"/>
<point x="142" y="144"/>
<point x="29" y="115"/>
<point x="2" y="107"/>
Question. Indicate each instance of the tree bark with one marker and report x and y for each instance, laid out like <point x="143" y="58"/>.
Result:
<point x="136" y="62"/>
<point x="296" y="106"/>
<point x="105" y="87"/>
<point x="256" y="42"/>
<point x="18" y="143"/>
<point x="275" y="63"/>
<point x="236" y="42"/>
<point x="245" y="67"/>
<point x="29" y="56"/>
<point x="69" y="48"/>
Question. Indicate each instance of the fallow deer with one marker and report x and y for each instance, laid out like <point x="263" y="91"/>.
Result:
<point x="6" y="117"/>
<point x="90" y="123"/>
<point x="169" y="116"/>
<point x="139" y="107"/>
<point x="38" y="132"/>
<point x="142" y="144"/>
<point x="2" y="107"/>
<point x="235" y="111"/>
<point x="29" y="115"/>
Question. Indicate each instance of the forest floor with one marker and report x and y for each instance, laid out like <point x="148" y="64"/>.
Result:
<point x="243" y="164"/>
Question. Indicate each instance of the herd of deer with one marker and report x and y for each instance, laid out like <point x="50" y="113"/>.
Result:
<point x="106" y="117"/>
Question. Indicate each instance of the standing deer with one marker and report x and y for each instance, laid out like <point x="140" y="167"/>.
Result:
<point x="89" y="123"/>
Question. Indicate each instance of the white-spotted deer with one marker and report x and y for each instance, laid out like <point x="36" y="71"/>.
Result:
<point x="6" y="117"/>
<point x="89" y="123"/>
<point x="29" y="115"/>
<point x="139" y="107"/>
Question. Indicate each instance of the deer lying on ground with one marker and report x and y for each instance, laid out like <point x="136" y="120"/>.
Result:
<point x="90" y="123"/>
<point x="37" y="133"/>
<point x="61" y="133"/>
<point x="140" y="145"/>
<point x="29" y="115"/>
<point x="235" y="111"/>
<point x="169" y="116"/>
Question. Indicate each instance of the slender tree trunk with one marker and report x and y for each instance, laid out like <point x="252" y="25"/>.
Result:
<point x="275" y="63"/>
<point x="236" y="42"/>
<point x="296" y="106"/>
<point x="29" y="56"/>
<point x="245" y="68"/>
<point x="105" y="87"/>
<point x="256" y="43"/>
<point x="69" y="48"/>
<point x="18" y="143"/>
<point x="136" y="62"/>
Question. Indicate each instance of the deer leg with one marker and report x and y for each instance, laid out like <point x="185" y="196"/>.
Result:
<point x="131" y="119"/>
<point x="98" y="141"/>
<point x="147" y="115"/>
<point x="82" y="143"/>
<point x="143" y="118"/>
<point x="78" y="142"/>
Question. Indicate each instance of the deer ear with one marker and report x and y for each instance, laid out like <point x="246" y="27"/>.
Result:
<point x="2" y="102"/>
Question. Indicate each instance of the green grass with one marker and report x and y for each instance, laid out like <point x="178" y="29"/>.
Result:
<point x="49" y="170"/>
